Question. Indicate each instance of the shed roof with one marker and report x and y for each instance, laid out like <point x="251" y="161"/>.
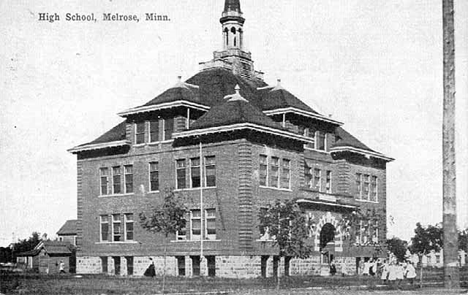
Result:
<point x="69" y="228"/>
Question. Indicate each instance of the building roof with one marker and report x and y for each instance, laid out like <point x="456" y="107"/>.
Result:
<point x="51" y="248"/>
<point x="277" y="98"/>
<point x="116" y="133"/>
<point x="345" y="139"/>
<point x="181" y="91"/>
<point x="69" y="228"/>
<point x="235" y="110"/>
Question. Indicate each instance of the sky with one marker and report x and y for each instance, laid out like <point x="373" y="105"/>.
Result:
<point x="375" y="65"/>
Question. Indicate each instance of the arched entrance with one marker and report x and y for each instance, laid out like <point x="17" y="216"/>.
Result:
<point x="327" y="242"/>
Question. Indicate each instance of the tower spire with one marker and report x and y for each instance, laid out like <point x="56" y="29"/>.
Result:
<point x="232" y="24"/>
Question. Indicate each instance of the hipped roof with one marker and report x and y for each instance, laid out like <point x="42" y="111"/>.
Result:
<point x="69" y="228"/>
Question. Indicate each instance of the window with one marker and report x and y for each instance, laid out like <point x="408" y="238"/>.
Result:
<point x="320" y="141"/>
<point x="285" y="173"/>
<point x="328" y="188"/>
<point x="373" y="189"/>
<point x="375" y="233"/>
<point x="154" y="176"/>
<point x="210" y="171"/>
<point x="365" y="191"/>
<point x="116" y="228"/>
<point x="128" y="179"/>
<point x="168" y="128"/>
<point x="274" y="168"/>
<point x="359" y="232"/>
<point x="359" y="185"/>
<point x="129" y="265"/>
<point x="104" y="264"/>
<point x="263" y="173"/>
<point x="154" y="130"/>
<point x="181" y="265"/>
<point x="104" y="228"/>
<point x="317" y="179"/>
<point x="128" y="227"/>
<point x="116" y="176"/>
<point x="140" y="133"/>
<point x="311" y="135"/>
<point x="195" y="172"/>
<point x="308" y="176"/>
<point x="180" y="171"/>
<point x="264" y="233"/>
<point x="104" y="180"/>
<point x="195" y="224"/>
<point x="210" y="224"/>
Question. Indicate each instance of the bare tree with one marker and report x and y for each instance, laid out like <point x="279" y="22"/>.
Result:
<point x="451" y="271"/>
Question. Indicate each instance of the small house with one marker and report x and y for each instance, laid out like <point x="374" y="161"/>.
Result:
<point x="46" y="257"/>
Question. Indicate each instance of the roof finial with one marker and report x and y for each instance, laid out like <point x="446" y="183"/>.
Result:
<point x="237" y="89"/>
<point x="235" y="96"/>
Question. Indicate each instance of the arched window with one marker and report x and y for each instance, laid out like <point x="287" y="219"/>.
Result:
<point x="226" y="36"/>
<point x="233" y="31"/>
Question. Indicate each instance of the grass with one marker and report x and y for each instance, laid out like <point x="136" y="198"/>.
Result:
<point x="31" y="283"/>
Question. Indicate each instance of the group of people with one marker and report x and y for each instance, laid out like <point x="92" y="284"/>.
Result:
<point x="394" y="273"/>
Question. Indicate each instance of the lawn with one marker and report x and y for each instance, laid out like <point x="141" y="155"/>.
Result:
<point x="29" y="283"/>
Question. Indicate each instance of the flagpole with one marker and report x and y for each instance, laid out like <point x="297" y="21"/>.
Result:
<point x="202" y="231"/>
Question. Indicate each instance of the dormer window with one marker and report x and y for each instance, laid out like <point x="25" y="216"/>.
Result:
<point x="320" y="140"/>
<point x="152" y="131"/>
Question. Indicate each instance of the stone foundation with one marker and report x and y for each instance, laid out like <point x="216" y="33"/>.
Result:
<point x="225" y="266"/>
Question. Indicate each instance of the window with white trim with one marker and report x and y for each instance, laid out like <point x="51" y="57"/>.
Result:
<point x="317" y="180"/>
<point x="128" y="226"/>
<point x="373" y="189"/>
<point x="285" y="173"/>
<point x="210" y="171"/>
<point x="195" y="176"/>
<point x="359" y="185"/>
<point x="154" y="130"/>
<point x="366" y="186"/>
<point x="140" y="130"/>
<point x="128" y="169"/>
<point x="116" y="228"/>
<point x="104" y="227"/>
<point x="263" y="172"/>
<point x="328" y="182"/>
<point x="210" y="224"/>
<point x="274" y="172"/>
<point x="181" y="181"/>
<point x="154" y="176"/>
<point x="116" y="180"/>
<point x="320" y="141"/>
<point x="308" y="132"/>
<point x="195" y="225"/>
<point x="308" y="175"/>
<point x="104" y="172"/>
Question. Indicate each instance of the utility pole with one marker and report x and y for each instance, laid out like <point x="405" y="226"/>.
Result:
<point x="451" y="270"/>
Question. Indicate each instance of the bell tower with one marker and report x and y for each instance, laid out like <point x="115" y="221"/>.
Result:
<point x="232" y="25"/>
<point x="233" y="55"/>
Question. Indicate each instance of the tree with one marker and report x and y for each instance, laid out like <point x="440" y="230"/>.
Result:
<point x="167" y="219"/>
<point x="425" y="240"/>
<point x="26" y="244"/>
<point x="285" y="224"/>
<point x="398" y="247"/>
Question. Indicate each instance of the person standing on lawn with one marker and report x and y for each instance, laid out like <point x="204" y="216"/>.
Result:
<point x="151" y="270"/>
<point x="384" y="275"/>
<point x="391" y="274"/>
<point x="399" y="273"/>
<point x="410" y="273"/>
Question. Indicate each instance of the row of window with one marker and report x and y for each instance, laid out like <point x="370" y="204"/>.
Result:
<point x="367" y="232"/>
<point x="194" y="230"/>
<point x="314" y="179"/>
<point x="317" y="138"/>
<point x="275" y="172"/>
<point x="119" y="179"/>
<point x="116" y="227"/>
<point x="154" y="130"/>
<point x="191" y="170"/>
<point x="116" y="180"/>
<point x="119" y="227"/>
<point x="366" y="186"/>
